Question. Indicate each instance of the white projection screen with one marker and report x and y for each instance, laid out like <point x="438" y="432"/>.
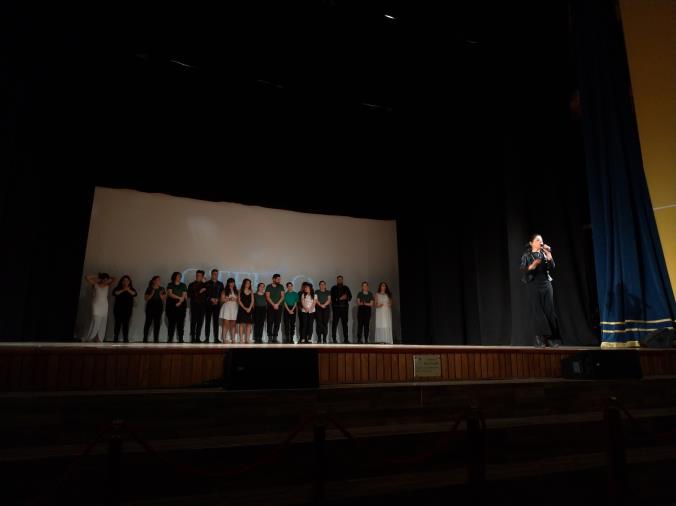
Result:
<point x="144" y="234"/>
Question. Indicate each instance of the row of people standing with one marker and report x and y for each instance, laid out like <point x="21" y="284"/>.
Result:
<point x="239" y="311"/>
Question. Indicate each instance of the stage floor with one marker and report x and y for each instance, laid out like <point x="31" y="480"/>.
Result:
<point x="50" y="366"/>
<point x="224" y="347"/>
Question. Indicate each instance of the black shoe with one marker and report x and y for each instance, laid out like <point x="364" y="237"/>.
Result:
<point x="554" y="343"/>
<point x="540" y="342"/>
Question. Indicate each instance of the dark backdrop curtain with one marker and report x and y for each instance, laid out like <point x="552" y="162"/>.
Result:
<point x="481" y="98"/>
<point x="634" y="292"/>
<point x="45" y="186"/>
<point x="459" y="261"/>
<point x="512" y="165"/>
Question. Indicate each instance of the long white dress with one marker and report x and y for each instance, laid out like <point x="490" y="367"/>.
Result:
<point x="97" y="328"/>
<point x="383" y="319"/>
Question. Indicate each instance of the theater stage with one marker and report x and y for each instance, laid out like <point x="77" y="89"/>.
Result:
<point x="75" y="366"/>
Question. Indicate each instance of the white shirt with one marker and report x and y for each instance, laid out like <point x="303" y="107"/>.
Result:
<point x="306" y="303"/>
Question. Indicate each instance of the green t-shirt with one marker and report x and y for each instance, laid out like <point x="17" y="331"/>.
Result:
<point x="322" y="297"/>
<point x="365" y="297"/>
<point x="259" y="300"/>
<point x="275" y="292"/>
<point x="291" y="298"/>
<point x="177" y="290"/>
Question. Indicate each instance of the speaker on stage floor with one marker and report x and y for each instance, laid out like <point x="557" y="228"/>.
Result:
<point x="602" y="364"/>
<point x="259" y="369"/>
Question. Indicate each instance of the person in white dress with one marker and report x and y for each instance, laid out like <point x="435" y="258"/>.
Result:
<point x="228" y="315"/>
<point x="97" y="327"/>
<point x="383" y="315"/>
<point x="308" y="301"/>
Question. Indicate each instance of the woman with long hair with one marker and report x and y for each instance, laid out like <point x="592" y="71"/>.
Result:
<point x="100" y="284"/>
<point x="229" y="298"/>
<point x="383" y="301"/>
<point x="536" y="264"/>
<point x="259" y="313"/>
<point x="306" y="316"/>
<point x="154" y="296"/>
<point x="124" y="304"/>
<point x="245" y="312"/>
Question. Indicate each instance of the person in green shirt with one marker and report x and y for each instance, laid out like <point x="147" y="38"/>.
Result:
<point x="364" y="305"/>
<point x="274" y="295"/>
<point x="290" y="304"/>
<point x="259" y="311"/>
<point x="323" y="310"/>
<point x="177" y="295"/>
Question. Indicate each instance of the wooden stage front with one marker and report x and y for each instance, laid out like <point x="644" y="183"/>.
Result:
<point x="78" y="366"/>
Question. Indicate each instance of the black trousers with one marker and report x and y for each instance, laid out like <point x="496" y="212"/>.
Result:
<point x="363" y="323"/>
<point x="176" y="318"/>
<point x="339" y="314"/>
<point x="212" y="311"/>
<point x="289" y="326"/>
<point x="306" y="325"/>
<point x="197" y="312"/>
<point x="542" y="312"/>
<point x="274" y="319"/>
<point x="154" y="318"/>
<point x="122" y="322"/>
<point x="259" y="313"/>
<point x="322" y="317"/>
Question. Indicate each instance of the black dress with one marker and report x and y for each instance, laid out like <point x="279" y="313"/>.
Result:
<point x="242" y="315"/>
<point x="540" y="295"/>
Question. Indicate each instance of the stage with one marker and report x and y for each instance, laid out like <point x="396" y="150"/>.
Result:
<point x="39" y="366"/>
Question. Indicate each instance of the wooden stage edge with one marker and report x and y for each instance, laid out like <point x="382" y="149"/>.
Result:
<point x="42" y="366"/>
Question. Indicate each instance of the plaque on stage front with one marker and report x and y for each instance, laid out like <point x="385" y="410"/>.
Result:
<point x="426" y="366"/>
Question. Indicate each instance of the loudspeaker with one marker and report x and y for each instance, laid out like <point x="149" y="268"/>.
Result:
<point x="602" y="364"/>
<point x="258" y="369"/>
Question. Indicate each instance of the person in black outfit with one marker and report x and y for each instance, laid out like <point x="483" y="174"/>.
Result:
<point x="177" y="300"/>
<point x="124" y="304"/>
<point x="340" y="304"/>
<point x="245" y="312"/>
<point x="274" y="295"/>
<point x="536" y="264"/>
<point x="197" y="293"/>
<point x="154" y="297"/>
<point x="259" y="313"/>
<point x="323" y="312"/>
<point x="213" y="306"/>
<point x="365" y="302"/>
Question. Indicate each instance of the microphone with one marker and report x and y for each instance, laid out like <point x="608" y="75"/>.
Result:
<point x="547" y="248"/>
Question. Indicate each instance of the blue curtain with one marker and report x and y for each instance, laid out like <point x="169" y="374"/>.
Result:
<point x="635" y="296"/>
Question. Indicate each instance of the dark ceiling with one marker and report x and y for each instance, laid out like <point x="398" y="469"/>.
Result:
<point x="284" y="103"/>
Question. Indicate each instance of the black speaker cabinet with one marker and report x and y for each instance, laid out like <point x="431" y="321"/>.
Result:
<point x="269" y="368"/>
<point x="602" y="364"/>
